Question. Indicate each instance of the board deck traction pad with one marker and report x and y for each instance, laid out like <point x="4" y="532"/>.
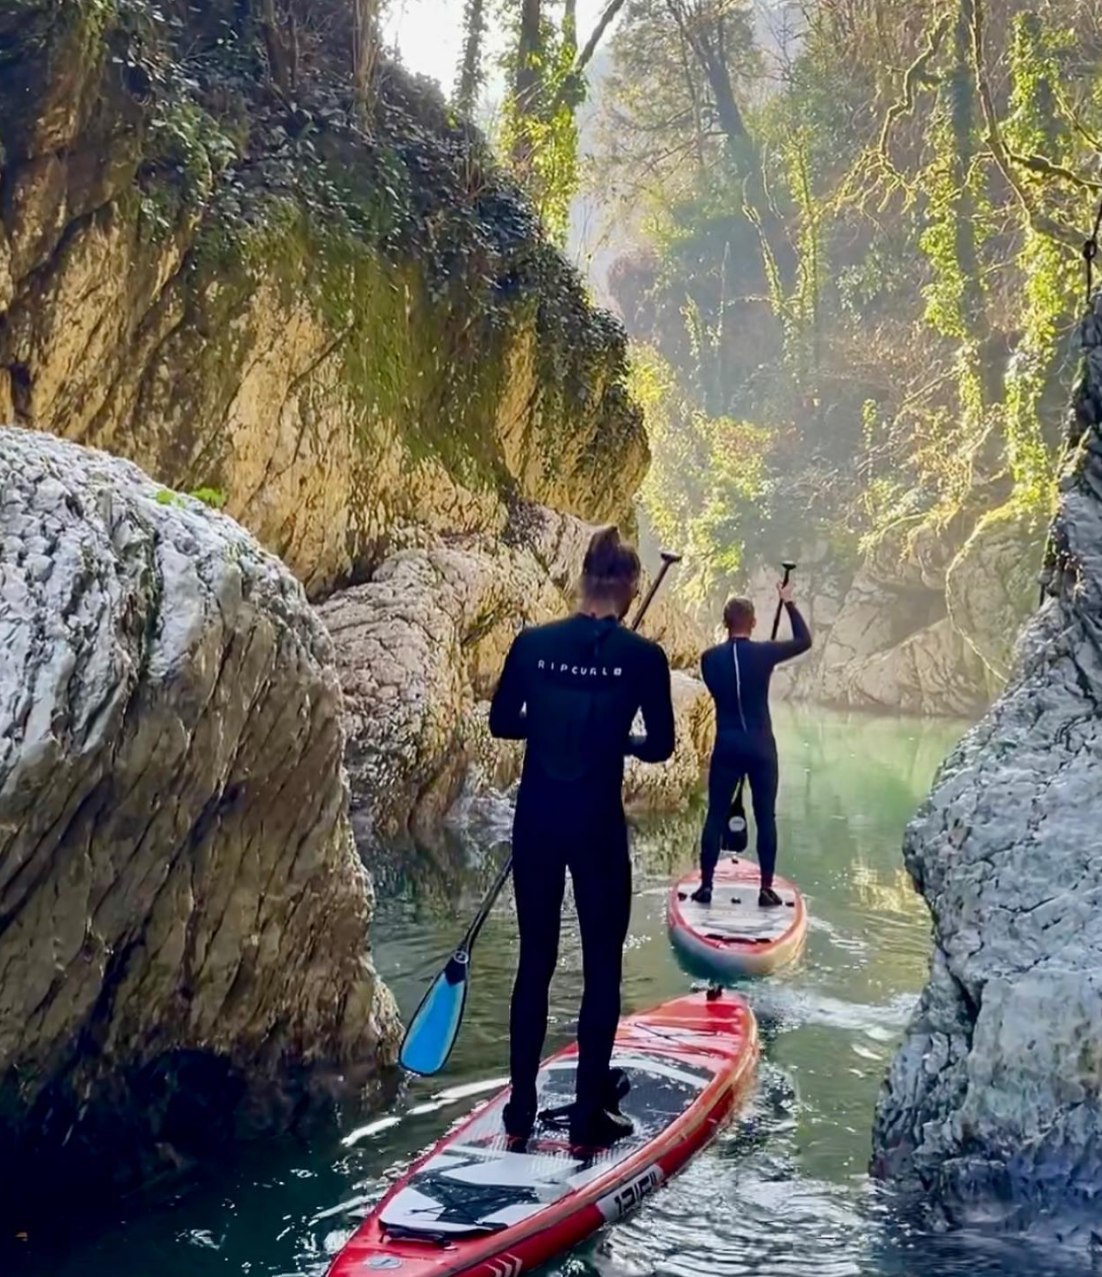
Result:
<point x="480" y="1185"/>
<point x="473" y="1187"/>
<point x="734" y="936"/>
<point x="734" y="913"/>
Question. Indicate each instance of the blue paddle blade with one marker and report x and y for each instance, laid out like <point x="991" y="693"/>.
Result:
<point x="435" y="1025"/>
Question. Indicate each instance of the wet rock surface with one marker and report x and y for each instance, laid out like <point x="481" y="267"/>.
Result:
<point x="184" y="949"/>
<point x="992" y="1110"/>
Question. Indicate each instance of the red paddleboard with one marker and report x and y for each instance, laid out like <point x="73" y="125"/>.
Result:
<point x="733" y="936"/>
<point x="473" y="1208"/>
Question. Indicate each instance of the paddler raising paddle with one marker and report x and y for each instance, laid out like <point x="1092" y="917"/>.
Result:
<point x="737" y="674"/>
<point x="571" y="691"/>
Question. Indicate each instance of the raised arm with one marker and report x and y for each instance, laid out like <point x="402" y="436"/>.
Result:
<point x="800" y="641"/>
<point x="507" y="718"/>
<point x="656" y="704"/>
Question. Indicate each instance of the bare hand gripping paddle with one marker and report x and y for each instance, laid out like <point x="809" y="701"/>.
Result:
<point x="435" y="1025"/>
<point x="789" y="568"/>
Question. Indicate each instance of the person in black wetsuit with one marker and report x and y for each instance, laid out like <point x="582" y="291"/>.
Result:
<point x="737" y="674"/>
<point x="571" y="691"/>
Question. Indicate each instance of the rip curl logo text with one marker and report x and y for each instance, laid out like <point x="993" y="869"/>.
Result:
<point x="580" y="671"/>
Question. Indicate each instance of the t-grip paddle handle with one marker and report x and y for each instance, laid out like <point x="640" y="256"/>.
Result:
<point x="789" y="568"/>
<point x="668" y="560"/>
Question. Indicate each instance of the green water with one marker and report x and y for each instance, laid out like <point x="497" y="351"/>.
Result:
<point x="784" y="1191"/>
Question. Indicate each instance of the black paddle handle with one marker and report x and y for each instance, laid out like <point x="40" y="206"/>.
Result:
<point x="788" y="569"/>
<point x="486" y="905"/>
<point x="668" y="560"/>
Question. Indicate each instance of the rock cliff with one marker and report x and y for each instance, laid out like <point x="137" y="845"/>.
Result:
<point x="184" y="950"/>
<point x="992" y="1110"/>
<point x="337" y="320"/>
<point x="925" y="622"/>
<point x="330" y="315"/>
<point x="343" y="320"/>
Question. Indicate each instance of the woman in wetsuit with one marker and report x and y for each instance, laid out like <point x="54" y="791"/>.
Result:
<point x="571" y="691"/>
<point x="737" y="674"/>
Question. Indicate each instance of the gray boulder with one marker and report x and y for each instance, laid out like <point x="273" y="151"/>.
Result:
<point x="992" y="1111"/>
<point x="184" y="952"/>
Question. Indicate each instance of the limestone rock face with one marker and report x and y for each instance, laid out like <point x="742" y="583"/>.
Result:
<point x="360" y="337"/>
<point x="991" y="585"/>
<point x="883" y="636"/>
<point x="184" y="950"/>
<point x="420" y="647"/>
<point x="666" y="787"/>
<point x="931" y="669"/>
<point x="992" y="1111"/>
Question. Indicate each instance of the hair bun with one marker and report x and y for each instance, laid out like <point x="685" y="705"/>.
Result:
<point x="609" y="564"/>
<point x="604" y="539"/>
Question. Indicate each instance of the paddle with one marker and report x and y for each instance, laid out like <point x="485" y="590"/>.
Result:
<point x="435" y="1025"/>
<point x="789" y="568"/>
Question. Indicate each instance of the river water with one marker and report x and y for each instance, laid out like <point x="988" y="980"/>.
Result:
<point x="783" y="1193"/>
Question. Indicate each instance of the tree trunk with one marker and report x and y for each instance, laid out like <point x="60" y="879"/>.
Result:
<point x="709" y="55"/>
<point x="527" y="82"/>
<point x="365" y="49"/>
<point x="470" y="70"/>
<point x="962" y="94"/>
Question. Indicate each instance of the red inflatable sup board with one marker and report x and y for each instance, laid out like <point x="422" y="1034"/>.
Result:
<point x="474" y="1208"/>
<point x="733" y="936"/>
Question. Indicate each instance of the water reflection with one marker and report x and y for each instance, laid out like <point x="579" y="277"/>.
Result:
<point x="783" y="1192"/>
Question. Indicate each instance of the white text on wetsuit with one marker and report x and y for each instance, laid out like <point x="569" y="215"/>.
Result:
<point x="590" y="671"/>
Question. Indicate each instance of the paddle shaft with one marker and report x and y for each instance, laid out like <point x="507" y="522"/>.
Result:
<point x="780" y="605"/>
<point x="668" y="560"/>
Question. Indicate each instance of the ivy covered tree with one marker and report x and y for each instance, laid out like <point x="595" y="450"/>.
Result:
<point x="862" y="235"/>
<point x="545" y="67"/>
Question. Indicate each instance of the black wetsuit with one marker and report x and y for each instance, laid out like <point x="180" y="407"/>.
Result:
<point x="737" y="673"/>
<point x="571" y="690"/>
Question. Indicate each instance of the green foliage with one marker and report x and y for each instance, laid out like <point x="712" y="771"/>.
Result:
<point x="707" y="488"/>
<point x="539" y="134"/>
<point x="214" y="497"/>
<point x="188" y="152"/>
<point x="470" y="76"/>
<point x="912" y="237"/>
<point x="1050" y="274"/>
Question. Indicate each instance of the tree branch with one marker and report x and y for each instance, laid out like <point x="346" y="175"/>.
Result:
<point x="570" y="91"/>
<point x="1046" y="168"/>
<point x="1038" y="221"/>
<point x="916" y="74"/>
<point x="596" y="36"/>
